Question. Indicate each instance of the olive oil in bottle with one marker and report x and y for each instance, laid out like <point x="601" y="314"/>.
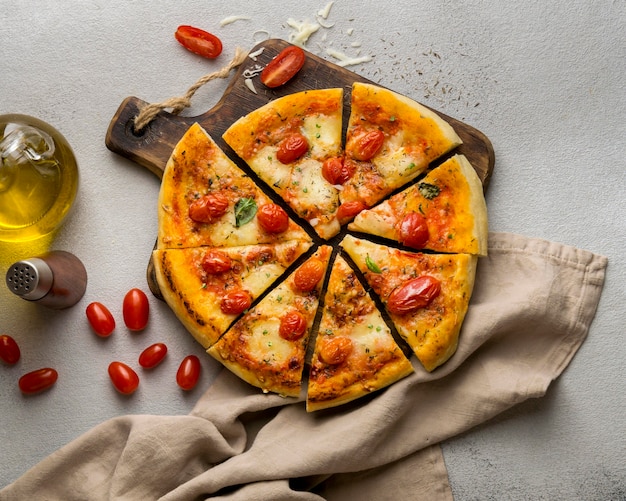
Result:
<point x="38" y="178"/>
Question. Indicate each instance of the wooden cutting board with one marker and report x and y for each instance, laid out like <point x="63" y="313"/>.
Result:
<point x="152" y="147"/>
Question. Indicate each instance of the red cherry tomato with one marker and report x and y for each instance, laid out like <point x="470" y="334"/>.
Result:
<point x="136" y="309"/>
<point x="153" y="355"/>
<point x="335" y="350"/>
<point x="414" y="294"/>
<point x="236" y="302"/>
<point x="364" y="144"/>
<point x="198" y="41"/>
<point x="38" y="380"/>
<point x="216" y="262"/>
<point x="292" y="326"/>
<point x="348" y="210"/>
<point x="100" y="319"/>
<point x="292" y="147"/>
<point x="124" y="379"/>
<point x="336" y="171"/>
<point x="308" y="275"/>
<point x="413" y="230"/>
<point x="283" y="67"/>
<point x="9" y="349"/>
<point x="188" y="372"/>
<point x="273" y="218"/>
<point x="209" y="208"/>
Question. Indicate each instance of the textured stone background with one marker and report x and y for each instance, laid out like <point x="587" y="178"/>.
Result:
<point x="543" y="80"/>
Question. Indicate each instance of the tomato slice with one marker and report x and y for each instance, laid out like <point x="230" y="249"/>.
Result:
<point x="198" y="41"/>
<point x="283" y="67"/>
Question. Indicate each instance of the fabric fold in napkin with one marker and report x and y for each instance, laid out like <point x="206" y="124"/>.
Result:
<point x="532" y="306"/>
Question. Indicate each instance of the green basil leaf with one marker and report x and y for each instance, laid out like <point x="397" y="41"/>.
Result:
<point x="372" y="265"/>
<point x="245" y="210"/>
<point x="428" y="191"/>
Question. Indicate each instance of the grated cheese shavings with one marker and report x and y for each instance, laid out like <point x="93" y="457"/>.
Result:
<point x="323" y="13"/>
<point x="250" y="84"/>
<point x="232" y="19"/>
<point x="256" y="53"/>
<point x="345" y="60"/>
<point x="303" y="30"/>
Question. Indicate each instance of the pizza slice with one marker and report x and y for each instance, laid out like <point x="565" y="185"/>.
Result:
<point x="444" y="212"/>
<point x="390" y="140"/>
<point x="205" y="199"/>
<point x="208" y="288"/>
<point x="286" y="142"/>
<point x="267" y="346"/>
<point x="426" y="295"/>
<point x="355" y="353"/>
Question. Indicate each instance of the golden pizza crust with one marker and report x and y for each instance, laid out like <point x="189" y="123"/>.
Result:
<point x="198" y="167"/>
<point x="195" y="296"/>
<point x="373" y="359"/>
<point x="455" y="212"/>
<point x="432" y="332"/>
<point x="316" y="114"/>
<point x="254" y="348"/>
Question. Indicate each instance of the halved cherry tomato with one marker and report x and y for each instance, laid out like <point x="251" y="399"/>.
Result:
<point x="292" y="147"/>
<point x="236" y="302"/>
<point x="273" y="218"/>
<point x="153" y="355"/>
<point x="364" y="144"/>
<point x="335" y="350"/>
<point x="198" y="41"/>
<point x="292" y="326"/>
<point x="209" y="208"/>
<point x="414" y="294"/>
<point x="9" y="349"/>
<point x="188" y="372"/>
<point x="348" y="210"/>
<point x="336" y="171"/>
<point x="308" y="275"/>
<point x="124" y="379"/>
<point x="413" y="230"/>
<point x="100" y="319"/>
<point x="136" y="309"/>
<point x="283" y="67"/>
<point x="216" y="262"/>
<point x="38" y="380"/>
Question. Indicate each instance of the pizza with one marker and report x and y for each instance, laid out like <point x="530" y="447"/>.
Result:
<point x="355" y="353"/>
<point x="208" y="287"/>
<point x="267" y="346"/>
<point x="256" y="258"/>
<point x="426" y="295"/>
<point x="286" y="142"/>
<point x="444" y="212"/>
<point x="206" y="200"/>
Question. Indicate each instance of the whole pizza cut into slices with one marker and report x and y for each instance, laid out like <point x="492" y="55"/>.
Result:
<point x="286" y="142"/>
<point x="205" y="199"/>
<point x="267" y="346"/>
<point x="208" y="288"/>
<point x="355" y="353"/>
<point x="443" y="212"/>
<point x="390" y="140"/>
<point x="426" y="295"/>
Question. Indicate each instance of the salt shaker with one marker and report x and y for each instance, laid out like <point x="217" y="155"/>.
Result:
<point x="57" y="279"/>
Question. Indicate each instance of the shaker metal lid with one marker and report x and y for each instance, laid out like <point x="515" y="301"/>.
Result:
<point x="30" y="279"/>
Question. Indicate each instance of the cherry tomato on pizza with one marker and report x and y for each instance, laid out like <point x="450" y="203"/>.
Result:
<point x="236" y="302"/>
<point x="273" y="218"/>
<point x="100" y="319"/>
<point x="413" y="230"/>
<point x="364" y="144"/>
<point x="198" y="41"/>
<point x="215" y="262"/>
<point x="292" y="325"/>
<point x="309" y="274"/>
<point x="292" y="148"/>
<point x="335" y="350"/>
<point x="209" y="208"/>
<point x="38" y="380"/>
<point x="124" y="378"/>
<point x="188" y="372"/>
<point x="9" y="349"/>
<point x="336" y="171"/>
<point x="414" y="294"/>
<point x="283" y="67"/>
<point x="348" y="210"/>
<point x="136" y="309"/>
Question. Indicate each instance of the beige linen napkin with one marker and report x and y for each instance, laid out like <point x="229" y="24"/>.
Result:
<point x="532" y="306"/>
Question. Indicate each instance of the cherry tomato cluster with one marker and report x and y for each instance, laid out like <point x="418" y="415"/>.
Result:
<point x="136" y="312"/>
